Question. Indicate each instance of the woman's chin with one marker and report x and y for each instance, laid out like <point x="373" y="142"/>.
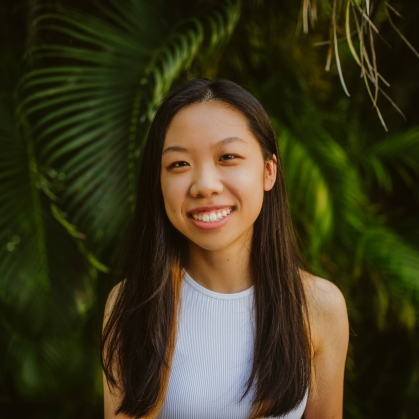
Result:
<point x="221" y="242"/>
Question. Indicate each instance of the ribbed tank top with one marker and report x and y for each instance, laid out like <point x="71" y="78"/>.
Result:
<point x="213" y="356"/>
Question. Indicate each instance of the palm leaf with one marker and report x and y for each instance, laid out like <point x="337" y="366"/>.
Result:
<point x="91" y="112"/>
<point x="394" y="264"/>
<point x="326" y="192"/>
<point x="40" y="264"/>
<point x="342" y="235"/>
<point x="399" y="152"/>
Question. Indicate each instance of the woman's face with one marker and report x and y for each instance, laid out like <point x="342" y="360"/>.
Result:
<point x="213" y="175"/>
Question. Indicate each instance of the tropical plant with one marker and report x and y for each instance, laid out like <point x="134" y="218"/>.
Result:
<point x="69" y="170"/>
<point x="364" y="14"/>
<point x="71" y="137"/>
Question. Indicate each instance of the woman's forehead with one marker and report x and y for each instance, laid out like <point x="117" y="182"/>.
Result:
<point x="211" y="122"/>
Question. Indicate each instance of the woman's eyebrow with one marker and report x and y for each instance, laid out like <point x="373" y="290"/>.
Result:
<point x="229" y="140"/>
<point x="174" y="148"/>
<point x="218" y="144"/>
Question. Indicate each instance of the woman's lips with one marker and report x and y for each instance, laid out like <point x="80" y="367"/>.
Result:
<point x="211" y="215"/>
<point x="214" y="224"/>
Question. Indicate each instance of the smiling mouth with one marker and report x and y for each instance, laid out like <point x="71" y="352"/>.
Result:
<point x="212" y="216"/>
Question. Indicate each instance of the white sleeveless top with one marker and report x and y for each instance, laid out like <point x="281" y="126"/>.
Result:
<point x="213" y="356"/>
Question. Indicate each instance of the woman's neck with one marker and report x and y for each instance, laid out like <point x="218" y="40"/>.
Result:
<point x="226" y="271"/>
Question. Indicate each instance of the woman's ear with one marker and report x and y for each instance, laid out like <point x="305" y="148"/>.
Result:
<point x="270" y="173"/>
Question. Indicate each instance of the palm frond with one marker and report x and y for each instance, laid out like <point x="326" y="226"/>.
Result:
<point x="395" y="266"/>
<point x="309" y="193"/>
<point x="37" y="263"/>
<point x="362" y="11"/>
<point x="91" y="112"/>
<point x="400" y="153"/>
<point x="324" y="187"/>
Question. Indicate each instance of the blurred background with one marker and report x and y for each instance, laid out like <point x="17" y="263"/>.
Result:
<point x="79" y="83"/>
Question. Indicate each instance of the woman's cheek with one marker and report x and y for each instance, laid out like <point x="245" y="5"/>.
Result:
<point x="174" y="191"/>
<point x="249" y="189"/>
<point x="246" y="180"/>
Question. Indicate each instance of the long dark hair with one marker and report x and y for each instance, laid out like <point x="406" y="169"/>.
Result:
<point x="139" y="337"/>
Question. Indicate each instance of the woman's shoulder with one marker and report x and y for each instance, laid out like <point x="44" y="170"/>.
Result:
<point x="321" y="293"/>
<point x="327" y="310"/>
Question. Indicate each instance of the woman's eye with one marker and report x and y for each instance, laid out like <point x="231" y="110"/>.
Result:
<point x="177" y="164"/>
<point x="228" y="157"/>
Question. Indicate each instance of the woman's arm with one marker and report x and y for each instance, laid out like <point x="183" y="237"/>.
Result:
<point x="330" y="331"/>
<point x="111" y="400"/>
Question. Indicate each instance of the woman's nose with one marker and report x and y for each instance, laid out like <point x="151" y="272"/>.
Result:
<point x="206" y="183"/>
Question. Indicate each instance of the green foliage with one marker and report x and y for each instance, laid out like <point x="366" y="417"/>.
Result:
<point x="361" y="18"/>
<point x="72" y="128"/>
<point x="69" y="170"/>
<point x="92" y="105"/>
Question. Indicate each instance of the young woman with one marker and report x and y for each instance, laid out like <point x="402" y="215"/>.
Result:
<point x="217" y="316"/>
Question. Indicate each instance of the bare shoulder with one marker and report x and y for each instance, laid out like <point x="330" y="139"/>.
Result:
<point x="111" y="396"/>
<point x="327" y="309"/>
<point x="323" y="295"/>
<point x="329" y="328"/>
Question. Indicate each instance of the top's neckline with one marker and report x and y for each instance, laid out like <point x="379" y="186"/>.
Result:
<point x="214" y="294"/>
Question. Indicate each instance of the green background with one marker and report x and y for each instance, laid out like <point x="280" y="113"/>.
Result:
<point x="79" y="83"/>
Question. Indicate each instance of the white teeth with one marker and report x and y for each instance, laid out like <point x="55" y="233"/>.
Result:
<point x="213" y="216"/>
